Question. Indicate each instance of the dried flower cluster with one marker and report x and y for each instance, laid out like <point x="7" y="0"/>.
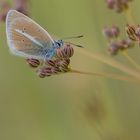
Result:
<point x="59" y="64"/>
<point x="19" y="5"/>
<point x="112" y="32"/>
<point x="118" y="5"/>
<point x="116" y="44"/>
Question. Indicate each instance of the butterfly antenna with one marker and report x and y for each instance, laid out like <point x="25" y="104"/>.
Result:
<point x="75" y="45"/>
<point x="72" y="37"/>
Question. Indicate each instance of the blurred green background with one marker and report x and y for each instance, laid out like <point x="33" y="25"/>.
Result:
<point x="69" y="106"/>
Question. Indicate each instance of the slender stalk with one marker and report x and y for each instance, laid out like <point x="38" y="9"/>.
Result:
<point x="129" y="16"/>
<point x="110" y="62"/>
<point x="106" y="75"/>
<point x="131" y="60"/>
<point x="100" y="132"/>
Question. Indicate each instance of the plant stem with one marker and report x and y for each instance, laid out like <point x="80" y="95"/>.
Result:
<point x="107" y="75"/>
<point x="129" y="16"/>
<point x="110" y="62"/>
<point x="131" y="60"/>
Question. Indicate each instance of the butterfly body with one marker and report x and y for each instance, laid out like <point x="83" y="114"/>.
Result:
<point x="49" y="49"/>
<point x="28" y="39"/>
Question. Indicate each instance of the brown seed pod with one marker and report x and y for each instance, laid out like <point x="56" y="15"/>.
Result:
<point x="65" y="62"/>
<point x="118" y="5"/>
<point x="47" y="70"/>
<point x="50" y="62"/>
<point x="64" y="65"/>
<point x="126" y="43"/>
<point x="131" y="32"/>
<point x="65" y="52"/>
<point x="44" y="71"/>
<point x="64" y="69"/>
<point x="138" y="31"/>
<point x="107" y="32"/>
<point x="41" y="75"/>
<point x="60" y="53"/>
<point x="56" y="70"/>
<point x="110" y="4"/>
<point x="62" y="62"/>
<point x="69" y="51"/>
<point x="34" y="63"/>
<point x="113" y="48"/>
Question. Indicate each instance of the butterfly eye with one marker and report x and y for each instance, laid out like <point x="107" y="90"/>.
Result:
<point x="58" y="44"/>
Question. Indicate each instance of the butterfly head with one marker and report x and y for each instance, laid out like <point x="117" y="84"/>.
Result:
<point x="59" y="43"/>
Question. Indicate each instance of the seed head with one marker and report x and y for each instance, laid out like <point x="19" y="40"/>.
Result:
<point x="34" y="63"/>
<point x="118" y="5"/>
<point x="65" y="52"/>
<point x="53" y="67"/>
<point x="126" y="43"/>
<point x="44" y="71"/>
<point x="110" y="4"/>
<point x="138" y="31"/>
<point x="131" y="32"/>
<point x="69" y="51"/>
<point x="51" y="63"/>
<point x="115" y="31"/>
<point x="112" y="32"/>
<point x="113" y="48"/>
<point x="64" y="65"/>
<point x="107" y="32"/>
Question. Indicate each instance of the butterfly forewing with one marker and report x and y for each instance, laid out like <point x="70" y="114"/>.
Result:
<point x="25" y="37"/>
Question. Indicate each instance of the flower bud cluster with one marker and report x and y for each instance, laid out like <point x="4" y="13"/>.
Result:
<point x="59" y="64"/>
<point x="118" y="5"/>
<point x="19" y="5"/>
<point x="116" y="44"/>
<point x="112" y="32"/>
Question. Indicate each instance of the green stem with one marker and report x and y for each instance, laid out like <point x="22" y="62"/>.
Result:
<point x="129" y="16"/>
<point x="131" y="60"/>
<point x="110" y="62"/>
<point x="107" y="75"/>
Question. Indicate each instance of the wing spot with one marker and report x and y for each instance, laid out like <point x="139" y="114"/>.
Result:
<point x="23" y="30"/>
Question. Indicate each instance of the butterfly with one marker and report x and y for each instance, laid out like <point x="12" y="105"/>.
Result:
<point x="28" y="39"/>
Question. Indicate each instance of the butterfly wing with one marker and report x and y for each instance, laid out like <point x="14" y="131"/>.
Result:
<point x="25" y="37"/>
